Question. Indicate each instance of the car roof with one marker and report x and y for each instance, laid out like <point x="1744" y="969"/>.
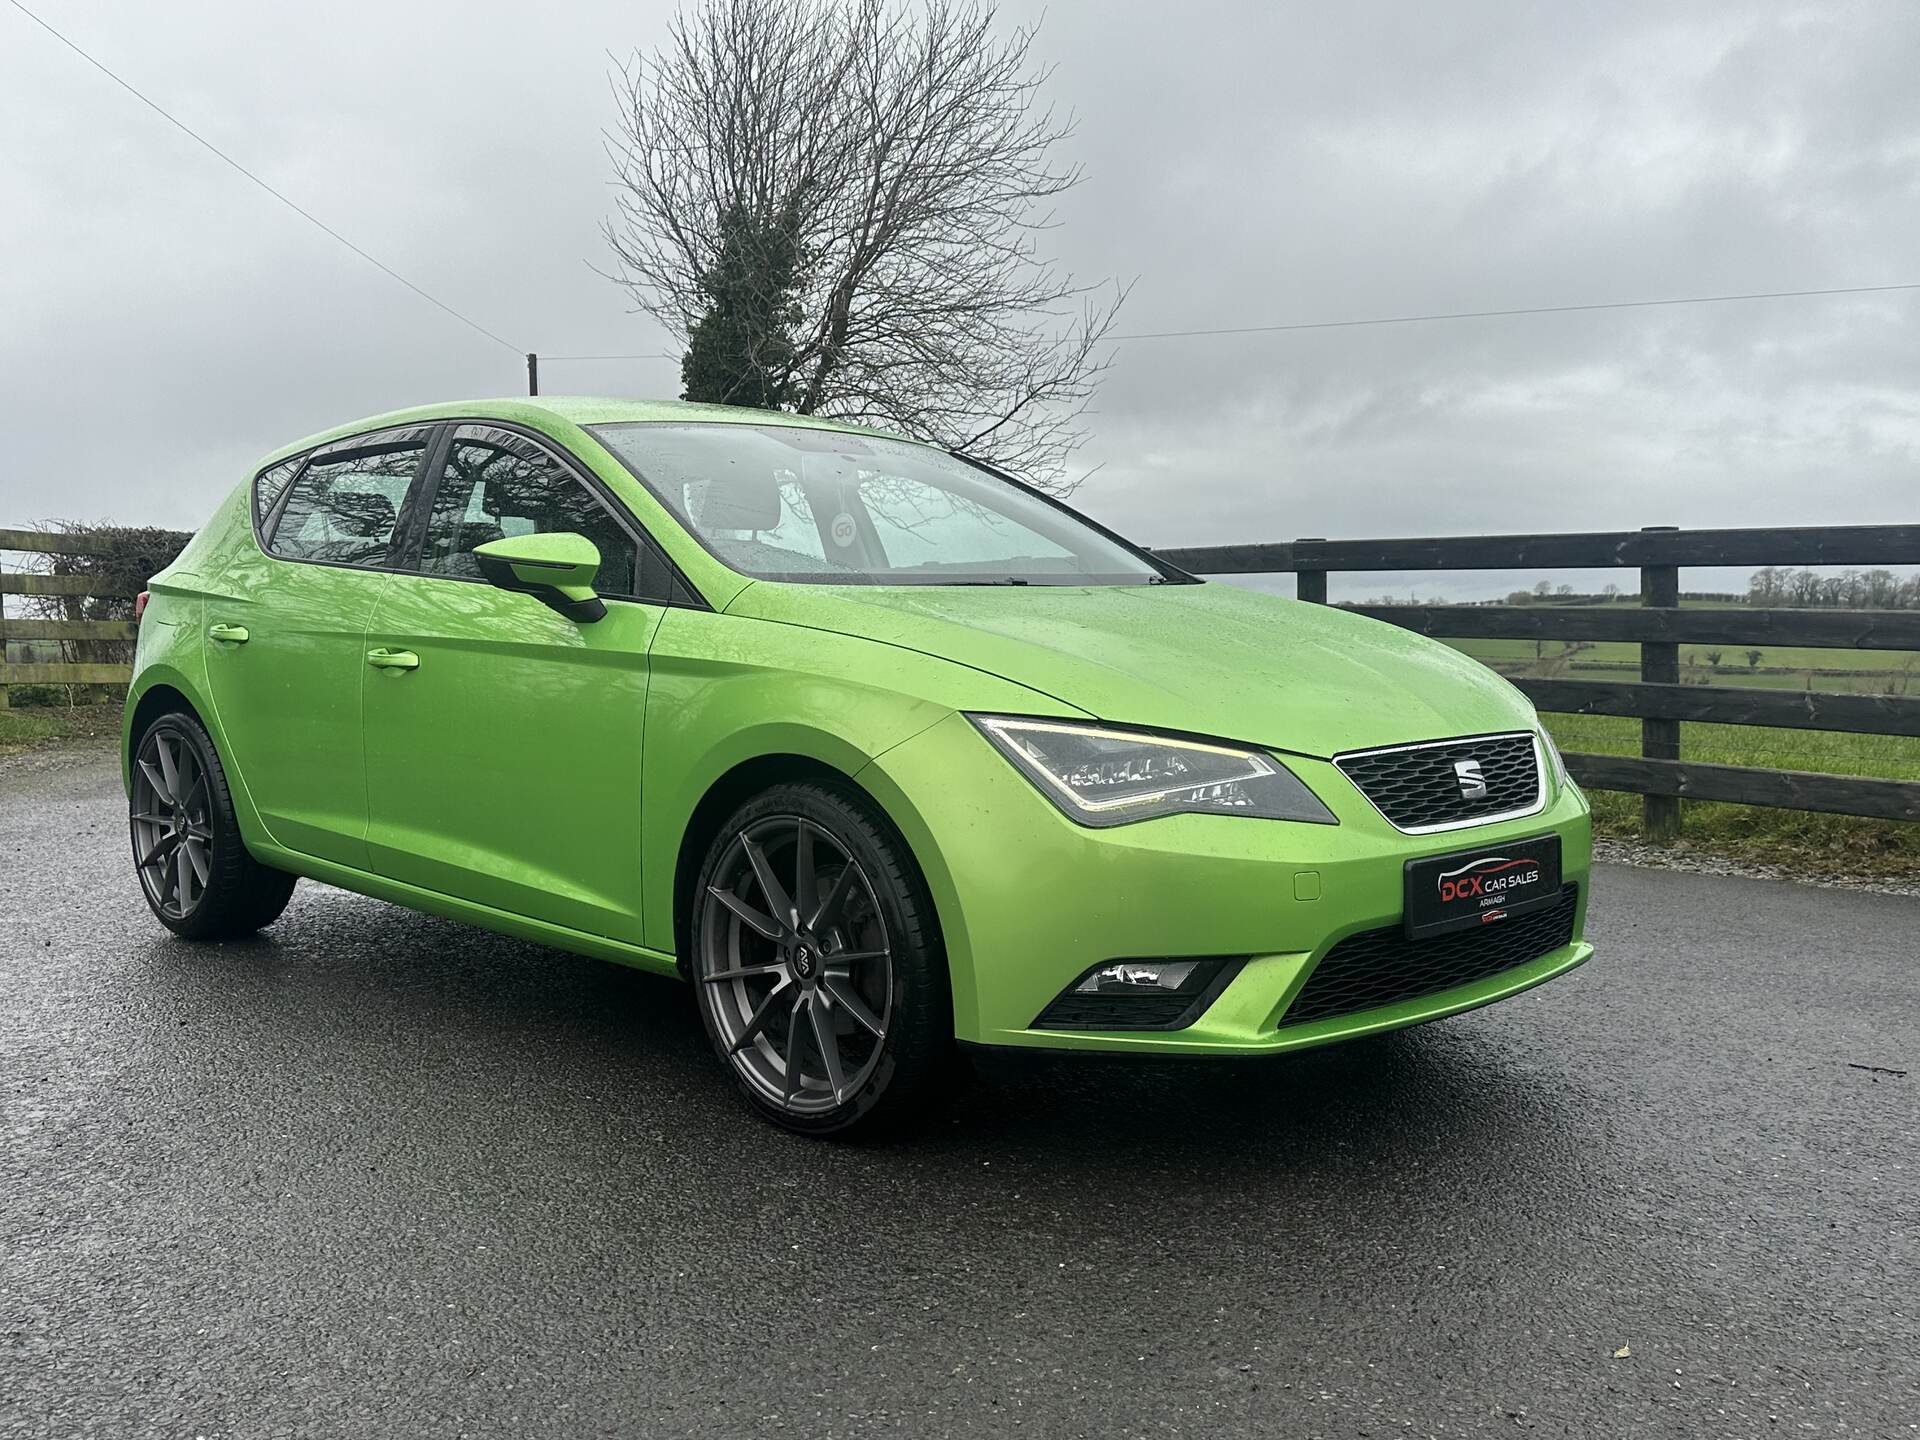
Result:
<point x="575" y="410"/>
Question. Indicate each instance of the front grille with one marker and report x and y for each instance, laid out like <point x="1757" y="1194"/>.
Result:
<point x="1383" y="967"/>
<point x="1419" y="787"/>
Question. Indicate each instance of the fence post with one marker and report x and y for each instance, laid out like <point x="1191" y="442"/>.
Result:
<point x="1660" y="665"/>
<point x="1310" y="584"/>
<point x="3" y="643"/>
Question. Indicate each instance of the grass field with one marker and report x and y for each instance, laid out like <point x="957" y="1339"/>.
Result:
<point x="1820" y="844"/>
<point x="1870" y="665"/>
<point x="1830" y="845"/>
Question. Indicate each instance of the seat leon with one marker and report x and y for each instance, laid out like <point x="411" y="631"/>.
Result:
<point x="882" y="751"/>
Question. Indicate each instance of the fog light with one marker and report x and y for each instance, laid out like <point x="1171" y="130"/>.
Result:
<point x="1139" y="995"/>
<point x="1141" y="977"/>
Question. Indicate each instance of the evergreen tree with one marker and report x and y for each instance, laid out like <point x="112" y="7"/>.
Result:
<point x="741" y="351"/>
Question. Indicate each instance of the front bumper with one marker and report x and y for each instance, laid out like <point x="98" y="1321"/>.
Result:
<point x="1028" y="901"/>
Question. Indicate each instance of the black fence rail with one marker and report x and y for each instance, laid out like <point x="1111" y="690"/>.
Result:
<point x="1659" y="625"/>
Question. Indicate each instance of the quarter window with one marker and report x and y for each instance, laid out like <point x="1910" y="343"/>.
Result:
<point x="345" y="506"/>
<point x="497" y="485"/>
<point x="269" y="485"/>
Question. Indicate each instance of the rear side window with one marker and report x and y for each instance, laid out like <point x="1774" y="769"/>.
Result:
<point x="269" y="485"/>
<point x="497" y="485"/>
<point x="345" y="506"/>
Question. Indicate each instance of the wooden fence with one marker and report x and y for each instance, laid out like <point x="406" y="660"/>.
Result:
<point x="15" y="582"/>
<point x="1659" y="626"/>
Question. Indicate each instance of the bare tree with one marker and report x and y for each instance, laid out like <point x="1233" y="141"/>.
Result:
<point x="903" y="153"/>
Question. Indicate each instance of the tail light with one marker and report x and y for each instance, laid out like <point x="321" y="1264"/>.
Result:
<point x="140" y="604"/>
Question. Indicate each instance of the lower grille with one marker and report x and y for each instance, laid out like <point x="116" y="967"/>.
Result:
<point x="1383" y="967"/>
<point x="1117" y="1012"/>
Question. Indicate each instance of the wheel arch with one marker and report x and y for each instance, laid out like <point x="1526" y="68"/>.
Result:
<point x="159" y="690"/>
<point x="732" y="789"/>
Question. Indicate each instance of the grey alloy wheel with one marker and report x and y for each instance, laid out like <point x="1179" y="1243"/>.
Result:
<point x="795" y="965"/>
<point x="172" y="819"/>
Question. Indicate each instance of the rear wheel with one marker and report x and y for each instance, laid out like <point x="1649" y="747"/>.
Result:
<point x="194" y="869"/>
<point x="818" y="965"/>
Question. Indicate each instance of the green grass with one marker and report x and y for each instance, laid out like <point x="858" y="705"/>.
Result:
<point x="1830" y="845"/>
<point x="1733" y="658"/>
<point x="1875" y="682"/>
<point x="24" y="729"/>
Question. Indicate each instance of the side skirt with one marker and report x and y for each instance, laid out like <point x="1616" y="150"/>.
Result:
<point x="432" y="902"/>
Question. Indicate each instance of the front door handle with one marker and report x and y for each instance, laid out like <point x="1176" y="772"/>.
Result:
<point x="393" y="660"/>
<point x="232" y="634"/>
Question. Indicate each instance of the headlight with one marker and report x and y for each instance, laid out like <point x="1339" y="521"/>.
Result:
<point x="1554" y="763"/>
<point x="1114" y="777"/>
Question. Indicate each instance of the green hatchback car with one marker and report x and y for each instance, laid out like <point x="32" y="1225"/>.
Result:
<point x="880" y="749"/>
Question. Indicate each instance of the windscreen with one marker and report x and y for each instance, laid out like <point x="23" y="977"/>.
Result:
<point x="829" y="508"/>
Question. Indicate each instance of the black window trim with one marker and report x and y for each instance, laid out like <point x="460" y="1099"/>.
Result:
<point x="298" y="460"/>
<point x="416" y="508"/>
<point x="413" y="527"/>
<point x="264" y="530"/>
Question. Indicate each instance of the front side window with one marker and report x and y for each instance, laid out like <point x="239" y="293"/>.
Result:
<point x="345" y="505"/>
<point x="825" y="507"/>
<point x="497" y="485"/>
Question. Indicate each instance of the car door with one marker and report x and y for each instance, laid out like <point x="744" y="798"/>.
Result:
<point x="503" y="761"/>
<point x="285" y="636"/>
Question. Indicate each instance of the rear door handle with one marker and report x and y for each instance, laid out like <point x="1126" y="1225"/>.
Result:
<point x="232" y="634"/>
<point x="393" y="660"/>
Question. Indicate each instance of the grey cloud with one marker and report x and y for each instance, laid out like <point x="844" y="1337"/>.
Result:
<point x="1247" y="162"/>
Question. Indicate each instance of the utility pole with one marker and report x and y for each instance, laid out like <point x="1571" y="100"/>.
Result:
<point x="533" y="373"/>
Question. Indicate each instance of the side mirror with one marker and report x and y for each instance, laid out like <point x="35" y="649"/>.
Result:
<point x="557" y="569"/>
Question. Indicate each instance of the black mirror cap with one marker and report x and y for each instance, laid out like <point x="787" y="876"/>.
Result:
<point x="500" y="574"/>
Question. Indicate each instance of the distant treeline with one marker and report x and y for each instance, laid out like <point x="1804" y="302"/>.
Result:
<point x="1547" y="593"/>
<point x="1775" y="586"/>
<point x="1852" y="590"/>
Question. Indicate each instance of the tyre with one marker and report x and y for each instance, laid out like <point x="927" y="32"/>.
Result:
<point x="194" y="869"/>
<point x="817" y="964"/>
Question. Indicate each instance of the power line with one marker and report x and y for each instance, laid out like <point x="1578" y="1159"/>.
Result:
<point x="1528" y="310"/>
<point x="1423" y="319"/>
<point x="284" y="200"/>
<point x="475" y="325"/>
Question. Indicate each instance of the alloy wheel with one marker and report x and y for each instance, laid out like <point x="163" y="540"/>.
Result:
<point x="796" y="965"/>
<point x="172" y="819"/>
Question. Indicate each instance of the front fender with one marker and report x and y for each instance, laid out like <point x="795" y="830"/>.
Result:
<point x="727" y="690"/>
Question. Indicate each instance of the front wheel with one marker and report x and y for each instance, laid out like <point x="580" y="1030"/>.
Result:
<point x="193" y="866"/>
<point x="817" y="964"/>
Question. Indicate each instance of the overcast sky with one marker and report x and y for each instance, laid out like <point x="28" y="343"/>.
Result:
<point x="163" y="322"/>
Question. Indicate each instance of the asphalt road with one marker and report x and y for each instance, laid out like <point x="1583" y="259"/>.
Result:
<point x="380" y="1174"/>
